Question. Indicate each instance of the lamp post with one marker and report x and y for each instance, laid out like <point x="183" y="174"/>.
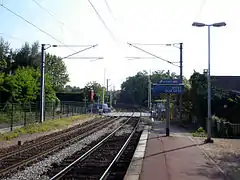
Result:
<point x="209" y="124"/>
<point x="104" y="80"/>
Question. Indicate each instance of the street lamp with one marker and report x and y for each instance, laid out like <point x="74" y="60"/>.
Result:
<point x="219" y="24"/>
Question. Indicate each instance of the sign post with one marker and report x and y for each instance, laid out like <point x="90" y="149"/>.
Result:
<point x="168" y="86"/>
<point x="168" y="116"/>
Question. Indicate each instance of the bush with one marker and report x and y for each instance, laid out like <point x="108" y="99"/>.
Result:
<point x="200" y="132"/>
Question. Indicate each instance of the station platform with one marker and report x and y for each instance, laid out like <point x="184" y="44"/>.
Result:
<point x="176" y="157"/>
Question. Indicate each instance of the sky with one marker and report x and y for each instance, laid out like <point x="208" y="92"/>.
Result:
<point x="74" y="22"/>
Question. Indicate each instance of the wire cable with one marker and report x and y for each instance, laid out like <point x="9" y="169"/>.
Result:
<point x="109" y="9"/>
<point x="27" y="21"/>
<point x="103" y="22"/>
<point x="12" y="37"/>
<point x="145" y="44"/>
<point x="95" y="58"/>
<point x="153" y="55"/>
<point x="73" y="45"/>
<point x="79" y="51"/>
<point x="133" y="58"/>
<point x="47" y="11"/>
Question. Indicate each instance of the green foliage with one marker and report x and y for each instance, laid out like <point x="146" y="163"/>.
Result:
<point x="224" y="103"/>
<point x="24" y="86"/>
<point x="23" y="83"/>
<point x="98" y="91"/>
<point x="135" y="89"/>
<point x="57" y="71"/>
<point x="28" y="55"/>
<point x="69" y="88"/>
<point x="200" y="132"/>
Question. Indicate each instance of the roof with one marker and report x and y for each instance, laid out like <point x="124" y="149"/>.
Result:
<point x="226" y="82"/>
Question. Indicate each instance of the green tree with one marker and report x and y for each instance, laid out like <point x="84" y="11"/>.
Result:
<point x="2" y="79"/>
<point x="97" y="88"/>
<point x="28" y="55"/>
<point x="24" y="86"/>
<point x="69" y="88"/>
<point x="57" y="71"/>
<point x="135" y="89"/>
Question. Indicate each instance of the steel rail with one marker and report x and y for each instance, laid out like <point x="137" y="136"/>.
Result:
<point x="48" y="140"/>
<point x="44" y="153"/>
<point x="107" y="171"/>
<point x="60" y="174"/>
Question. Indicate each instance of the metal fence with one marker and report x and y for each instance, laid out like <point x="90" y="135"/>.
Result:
<point x="17" y="115"/>
<point x="227" y="129"/>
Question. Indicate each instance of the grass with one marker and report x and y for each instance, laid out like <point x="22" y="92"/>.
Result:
<point x="45" y="126"/>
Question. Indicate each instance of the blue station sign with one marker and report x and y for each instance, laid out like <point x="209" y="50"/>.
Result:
<point x="170" y="81"/>
<point x="168" y="89"/>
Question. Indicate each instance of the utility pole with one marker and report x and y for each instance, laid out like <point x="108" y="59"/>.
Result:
<point x="181" y="77"/>
<point x="42" y="91"/>
<point x="107" y="84"/>
<point x="168" y="116"/>
<point x="168" y="113"/>
<point x="110" y="103"/>
<point x="104" y="77"/>
<point x="107" y="93"/>
<point x="149" y="91"/>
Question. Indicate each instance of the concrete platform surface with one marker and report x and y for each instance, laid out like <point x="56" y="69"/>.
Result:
<point x="175" y="158"/>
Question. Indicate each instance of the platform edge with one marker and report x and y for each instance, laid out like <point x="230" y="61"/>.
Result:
<point x="135" y="167"/>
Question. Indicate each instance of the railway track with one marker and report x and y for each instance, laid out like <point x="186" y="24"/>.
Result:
<point x="104" y="158"/>
<point x="47" y="138"/>
<point x="32" y="153"/>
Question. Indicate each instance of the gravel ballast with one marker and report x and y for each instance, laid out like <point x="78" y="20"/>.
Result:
<point x="35" y="171"/>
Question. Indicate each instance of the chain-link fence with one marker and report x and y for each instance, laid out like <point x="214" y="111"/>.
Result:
<point x="16" y="115"/>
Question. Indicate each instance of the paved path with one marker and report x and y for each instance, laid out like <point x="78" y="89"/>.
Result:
<point x="175" y="158"/>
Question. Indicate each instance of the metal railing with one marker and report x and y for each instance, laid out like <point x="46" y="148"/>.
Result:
<point x="14" y="115"/>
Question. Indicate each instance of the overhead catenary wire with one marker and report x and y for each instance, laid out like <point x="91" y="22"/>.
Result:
<point x="149" y="44"/>
<point x="153" y="55"/>
<point x="73" y="45"/>
<point x="97" y="58"/>
<point x="12" y="37"/>
<point x="109" y="9"/>
<point x="133" y="58"/>
<point x="70" y="55"/>
<point x="101" y="19"/>
<point x="27" y="21"/>
<point x="48" y="11"/>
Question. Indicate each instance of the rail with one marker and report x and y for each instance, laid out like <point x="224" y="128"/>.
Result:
<point x="48" y="140"/>
<point x="48" y="151"/>
<point x="60" y="174"/>
<point x="104" y="175"/>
